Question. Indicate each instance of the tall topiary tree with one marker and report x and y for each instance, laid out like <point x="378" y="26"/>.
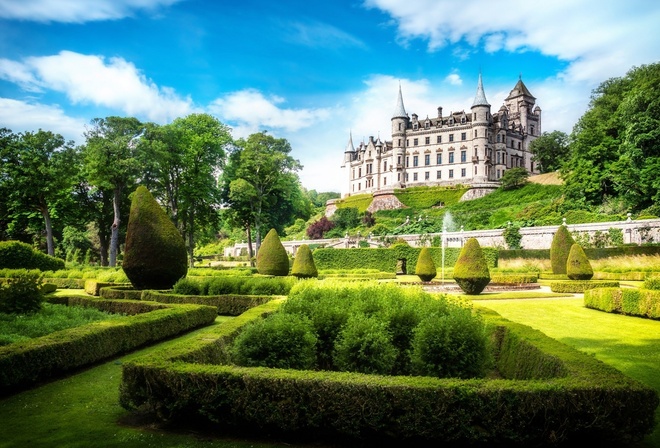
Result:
<point x="559" y="250"/>
<point x="425" y="268"/>
<point x="471" y="270"/>
<point x="303" y="264"/>
<point x="577" y="265"/>
<point x="272" y="258"/>
<point x="155" y="255"/>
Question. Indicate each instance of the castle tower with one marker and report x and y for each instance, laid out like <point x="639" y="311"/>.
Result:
<point x="481" y="119"/>
<point x="400" y="122"/>
<point x="349" y="156"/>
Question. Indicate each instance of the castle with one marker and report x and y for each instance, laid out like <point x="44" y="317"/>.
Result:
<point x="474" y="148"/>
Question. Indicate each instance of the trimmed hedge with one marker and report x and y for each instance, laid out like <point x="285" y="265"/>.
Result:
<point x="385" y="260"/>
<point x="25" y="363"/>
<point x="121" y="293"/>
<point x="272" y="258"/>
<point x="629" y="276"/>
<point x="652" y="283"/>
<point x="513" y="279"/>
<point x="17" y="255"/>
<point x="580" y="286"/>
<point x="227" y="305"/>
<point x="579" y="397"/>
<point x="93" y="287"/>
<point x="632" y="302"/>
<point x="592" y="253"/>
<point x="214" y="286"/>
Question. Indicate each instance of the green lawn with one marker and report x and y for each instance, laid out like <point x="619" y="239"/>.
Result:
<point x="631" y="344"/>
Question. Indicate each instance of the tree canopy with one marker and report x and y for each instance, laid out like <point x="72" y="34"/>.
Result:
<point x="550" y="150"/>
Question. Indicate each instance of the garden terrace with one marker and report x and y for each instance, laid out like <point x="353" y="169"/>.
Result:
<point x="25" y="363"/>
<point x="548" y="393"/>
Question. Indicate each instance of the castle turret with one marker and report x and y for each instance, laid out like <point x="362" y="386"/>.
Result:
<point x="480" y="125"/>
<point x="400" y="122"/>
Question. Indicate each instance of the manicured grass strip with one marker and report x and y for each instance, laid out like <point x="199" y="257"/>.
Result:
<point x="83" y="411"/>
<point x="630" y="344"/>
<point x="515" y="295"/>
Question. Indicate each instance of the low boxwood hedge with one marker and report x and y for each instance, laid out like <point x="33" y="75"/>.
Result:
<point x="513" y="279"/>
<point x="93" y="287"/>
<point x="592" y="253"/>
<point x="580" y="286"/>
<point x="633" y="302"/>
<point x="121" y="293"/>
<point x="550" y="393"/>
<point x="625" y="276"/>
<point x="227" y="305"/>
<point x="25" y="363"/>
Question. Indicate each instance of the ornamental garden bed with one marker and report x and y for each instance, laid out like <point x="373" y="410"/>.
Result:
<point x="544" y="393"/>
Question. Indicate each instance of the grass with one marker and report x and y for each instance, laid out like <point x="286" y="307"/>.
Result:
<point x="630" y="344"/>
<point x="83" y="410"/>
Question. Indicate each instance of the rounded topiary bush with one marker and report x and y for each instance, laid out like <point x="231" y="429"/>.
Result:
<point x="155" y="254"/>
<point x="18" y="255"/>
<point x="364" y="345"/>
<point x="425" y="268"/>
<point x="283" y="341"/>
<point x="272" y="258"/>
<point x="577" y="265"/>
<point x="303" y="264"/>
<point x="450" y="345"/>
<point x="559" y="250"/>
<point x="471" y="270"/>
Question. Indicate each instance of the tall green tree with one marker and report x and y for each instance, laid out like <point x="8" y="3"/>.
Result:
<point x="550" y="150"/>
<point x="113" y="161"/>
<point x="261" y="186"/>
<point x="36" y="169"/>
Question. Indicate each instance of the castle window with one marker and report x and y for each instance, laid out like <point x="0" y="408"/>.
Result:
<point x="499" y="138"/>
<point x="451" y="137"/>
<point x="531" y="129"/>
<point x="463" y="120"/>
<point x="498" y="174"/>
<point x="438" y="174"/>
<point x="415" y="160"/>
<point x="427" y="175"/>
<point x="427" y="159"/>
<point x="385" y="165"/>
<point x="475" y="170"/>
<point x="407" y="161"/>
<point x="518" y="145"/>
<point x="451" y="174"/>
<point x="407" y="143"/>
<point x="427" y="140"/>
<point x="359" y="172"/>
<point x="359" y="186"/>
<point x="415" y="142"/>
<point x="438" y="159"/>
<point x="415" y="126"/>
<point x="439" y="139"/>
<point x="353" y="176"/>
<point x="399" y="126"/>
<point x="451" y="157"/>
<point x="414" y="177"/>
<point x="426" y="125"/>
<point x="399" y="142"/>
<point x="498" y="157"/>
<point x="463" y="156"/>
<point x="406" y="177"/>
<point x="384" y="180"/>
<point x="464" y="135"/>
<point x="398" y="177"/>
<point x="462" y="172"/>
<point x="475" y="133"/>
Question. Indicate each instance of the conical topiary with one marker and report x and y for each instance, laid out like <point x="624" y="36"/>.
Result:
<point x="471" y="270"/>
<point x="155" y="254"/>
<point x="559" y="250"/>
<point x="272" y="258"/>
<point x="425" y="268"/>
<point x="303" y="264"/>
<point x="578" y="266"/>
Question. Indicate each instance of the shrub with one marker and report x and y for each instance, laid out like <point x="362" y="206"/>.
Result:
<point x="577" y="264"/>
<point x="559" y="250"/>
<point x="284" y="341"/>
<point x="652" y="283"/>
<point x="188" y="287"/>
<point x="425" y="268"/>
<point x="21" y="294"/>
<point x="317" y="229"/>
<point x="512" y="237"/>
<point x="471" y="271"/>
<point x="155" y="254"/>
<point x="364" y="345"/>
<point x="451" y="345"/>
<point x="272" y="258"/>
<point x="303" y="264"/>
<point x="634" y="302"/>
<point x="17" y="255"/>
<point x="580" y="286"/>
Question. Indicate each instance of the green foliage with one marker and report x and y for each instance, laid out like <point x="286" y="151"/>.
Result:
<point x="451" y="346"/>
<point x="227" y="304"/>
<point x="272" y="258"/>
<point x="514" y="279"/>
<point x="188" y="287"/>
<point x="514" y="178"/>
<point x="17" y="255"/>
<point x="359" y="201"/>
<point x="652" y="282"/>
<point x="284" y="341"/>
<point x="421" y="198"/>
<point x="577" y="264"/>
<point x="560" y="249"/>
<point x="471" y="270"/>
<point x="346" y="218"/>
<point x="425" y="267"/>
<point x="21" y="294"/>
<point x="220" y="285"/>
<point x="303" y="264"/>
<point x="155" y="253"/>
<point x="633" y="302"/>
<point x="549" y="150"/>
<point x="364" y="345"/>
<point x="580" y="286"/>
<point x="512" y="237"/>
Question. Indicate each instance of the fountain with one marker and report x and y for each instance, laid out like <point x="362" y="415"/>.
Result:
<point x="447" y="223"/>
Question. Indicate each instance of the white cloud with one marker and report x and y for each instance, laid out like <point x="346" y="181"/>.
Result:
<point x="77" y="11"/>
<point x="249" y="111"/>
<point x="321" y="35"/>
<point x="598" y="39"/>
<point x="454" y="79"/>
<point x="20" y="116"/>
<point x="89" y="79"/>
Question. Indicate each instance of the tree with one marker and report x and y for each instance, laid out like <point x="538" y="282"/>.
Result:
<point x="425" y="268"/>
<point x="577" y="264"/>
<point x="303" y="264"/>
<point x="471" y="270"/>
<point x="272" y="258"/>
<point x="560" y="248"/>
<point x="514" y="178"/>
<point x="550" y="150"/>
<point x="260" y="184"/>
<point x="35" y="173"/>
<point x="112" y="161"/>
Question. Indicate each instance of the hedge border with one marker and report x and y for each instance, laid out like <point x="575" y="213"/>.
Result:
<point x="568" y="394"/>
<point x="631" y="302"/>
<point x="93" y="287"/>
<point x="592" y="253"/>
<point x="24" y="363"/>
<point x="580" y="286"/>
<point x="227" y="304"/>
<point x="514" y="279"/>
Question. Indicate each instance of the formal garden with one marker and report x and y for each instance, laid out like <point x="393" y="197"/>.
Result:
<point x="332" y="348"/>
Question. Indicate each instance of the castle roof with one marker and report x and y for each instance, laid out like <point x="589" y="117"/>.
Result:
<point x="349" y="145"/>
<point x="399" y="110"/>
<point x="480" y="97"/>
<point x="520" y="89"/>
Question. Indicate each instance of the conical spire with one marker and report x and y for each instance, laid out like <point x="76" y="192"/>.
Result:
<point x="349" y="145"/>
<point x="480" y="97"/>
<point x="399" y="110"/>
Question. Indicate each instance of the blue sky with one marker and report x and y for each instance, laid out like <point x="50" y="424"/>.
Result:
<point x="308" y="71"/>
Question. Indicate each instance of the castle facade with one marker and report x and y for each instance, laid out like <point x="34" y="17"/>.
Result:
<point x="468" y="148"/>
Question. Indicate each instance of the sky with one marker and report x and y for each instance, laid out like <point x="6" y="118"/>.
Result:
<point x="311" y="72"/>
